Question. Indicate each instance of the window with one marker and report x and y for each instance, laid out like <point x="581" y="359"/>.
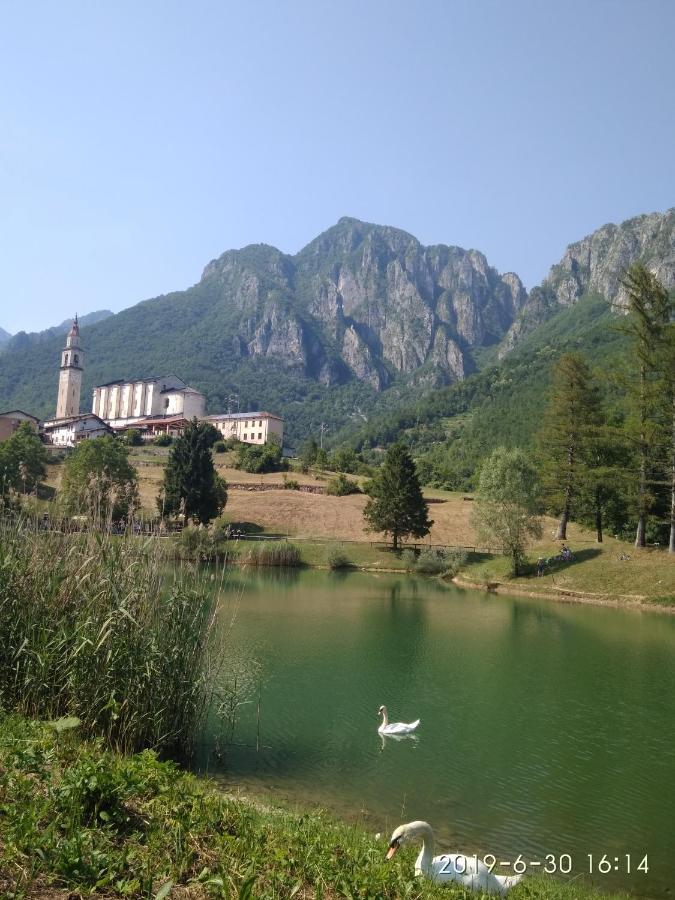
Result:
<point x="65" y="360"/>
<point x="77" y="359"/>
<point x="260" y="436"/>
<point x="245" y="436"/>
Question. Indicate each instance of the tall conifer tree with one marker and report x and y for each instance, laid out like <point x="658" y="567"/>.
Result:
<point x="191" y="486"/>
<point x="567" y="436"/>
<point x="648" y="314"/>
<point x="396" y="505"/>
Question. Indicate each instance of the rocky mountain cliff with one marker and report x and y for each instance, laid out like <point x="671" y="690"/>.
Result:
<point x="595" y="265"/>
<point x="4" y="336"/>
<point x="366" y="302"/>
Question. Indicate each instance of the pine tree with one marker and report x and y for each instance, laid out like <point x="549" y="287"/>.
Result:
<point x="566" y="439"/>
<point x="648" y="314"/>
<point x="191" y="486"/>
<point x="396" y="505"/>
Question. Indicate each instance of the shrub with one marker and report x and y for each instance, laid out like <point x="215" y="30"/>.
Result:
<point x="163" y="440"/>
<point x="219" y="447"/>
<point x="197" y="543"/>
<point x="132" y="437"/>
<point x="341" y="486"/>
<point x="409" y="559"/>
<point x="291" y="484"/>
<point x="273" y="553"/>
<point x="338" y="559"/>
<point x="259" y="459"/>
<point x="439" y="560"/>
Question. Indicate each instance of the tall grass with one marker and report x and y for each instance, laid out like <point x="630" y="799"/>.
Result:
<point x="273" y="553"/>
<point x="91" y="626"/>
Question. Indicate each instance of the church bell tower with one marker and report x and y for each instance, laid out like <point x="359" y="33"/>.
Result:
<point x="70" y="377"/>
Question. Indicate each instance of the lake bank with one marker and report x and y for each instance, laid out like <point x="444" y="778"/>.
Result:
<point x="78" y="819"/>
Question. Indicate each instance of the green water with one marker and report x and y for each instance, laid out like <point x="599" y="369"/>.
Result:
<point x="546" y="728"/>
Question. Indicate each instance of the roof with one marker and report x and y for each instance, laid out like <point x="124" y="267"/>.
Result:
<point x="181" y="390"/>
<point x="142" y="381"/>
<point x="224" y="417"/>
<point x="11" y="412"/>
<point x="70" y="420"/>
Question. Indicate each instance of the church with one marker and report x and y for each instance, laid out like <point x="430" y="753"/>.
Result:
<point x="163" y="405"/>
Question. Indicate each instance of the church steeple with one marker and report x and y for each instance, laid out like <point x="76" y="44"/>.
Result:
<point x="70" y="377"/>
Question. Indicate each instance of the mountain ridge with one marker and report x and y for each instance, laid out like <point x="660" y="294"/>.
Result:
<point x="363" y="317"/>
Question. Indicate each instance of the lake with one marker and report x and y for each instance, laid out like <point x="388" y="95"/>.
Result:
<point x="546" y="728"/>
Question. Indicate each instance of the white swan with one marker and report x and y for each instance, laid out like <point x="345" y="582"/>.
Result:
<point x="395" y="727"/>
<point x="459" y="867"/>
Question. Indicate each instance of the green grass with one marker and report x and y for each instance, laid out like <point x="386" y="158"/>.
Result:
<point x="75" y="818"/>
<point x="597" y="569"/>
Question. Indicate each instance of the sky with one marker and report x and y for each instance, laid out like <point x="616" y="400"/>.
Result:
<point x="140" y="140"/>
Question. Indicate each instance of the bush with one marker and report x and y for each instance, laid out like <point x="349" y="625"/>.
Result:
<point x="338" y="559"/>
<point x="163" y="440"/>
<point x="219" y="447"/>
<point x="291" y="484"/>
<point x="198" y="543"/>
<point x="409" y="559"/>
<point x="273" y="553"/>
<point x="260" y="458"/>
<point x="440" y="561"/>
<point x="132" y="437"/>
<point x="341" y="486"/>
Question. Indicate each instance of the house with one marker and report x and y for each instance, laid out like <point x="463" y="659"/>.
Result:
<point x="10" y="421"/>
<point x="250" y="427"/>
<point x="127" y="404"/>
<point x="67" y="432"/>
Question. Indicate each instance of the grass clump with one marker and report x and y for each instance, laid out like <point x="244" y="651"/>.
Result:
<point x="338" y="559"/>
<point x="273" y="553"/>
<point x="90" y="628"/>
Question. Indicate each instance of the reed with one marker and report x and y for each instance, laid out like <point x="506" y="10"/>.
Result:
<point x="92" y="627"/>
<point x="273" y="553"/>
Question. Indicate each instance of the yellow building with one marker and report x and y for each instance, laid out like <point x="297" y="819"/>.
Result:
<point x="250" y="427"/>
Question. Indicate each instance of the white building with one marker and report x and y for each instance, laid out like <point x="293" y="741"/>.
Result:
<point x="250" y="427"/>
<point x="123" y="404"/>
<point x="67" y="432"/>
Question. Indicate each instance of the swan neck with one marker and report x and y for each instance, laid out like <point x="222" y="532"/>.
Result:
<point x="385" y="718"/>
<point x="428" y="843"/>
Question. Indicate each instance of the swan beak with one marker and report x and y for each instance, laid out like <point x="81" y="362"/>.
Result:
<point x="391" y="851"/>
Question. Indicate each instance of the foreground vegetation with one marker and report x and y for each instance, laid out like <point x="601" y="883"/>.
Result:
<point x="76" y="818"/>
<point x="91" y="628"/>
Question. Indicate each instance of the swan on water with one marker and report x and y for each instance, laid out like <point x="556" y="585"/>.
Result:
<point x="395" y="727"/>
<point x="459" y="867"/>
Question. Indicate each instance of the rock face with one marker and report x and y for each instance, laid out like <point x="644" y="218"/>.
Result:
<point x="5" y="336"/>
<point x="367" y="302"/>
<point x="596" y="264"/>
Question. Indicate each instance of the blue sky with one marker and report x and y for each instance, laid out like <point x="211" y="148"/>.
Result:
<point x="140" y="140"/>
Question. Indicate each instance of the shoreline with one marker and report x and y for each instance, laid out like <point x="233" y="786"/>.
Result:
<point x="633" y="602"/>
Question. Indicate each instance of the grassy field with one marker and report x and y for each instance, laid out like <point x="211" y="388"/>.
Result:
<point x="80" y="821"/>
<point x="317" y="518"/>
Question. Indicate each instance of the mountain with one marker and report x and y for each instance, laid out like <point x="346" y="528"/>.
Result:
<point x="356" y="330"/>
<point x="23" y="339"/>
<point x="596" y="265"/>
<point x="363" y="309"/>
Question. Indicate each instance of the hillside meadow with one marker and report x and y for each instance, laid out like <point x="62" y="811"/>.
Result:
<point x="611" y="570"/>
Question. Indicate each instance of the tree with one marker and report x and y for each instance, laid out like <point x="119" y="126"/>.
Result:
<point x="308" y="453"/>
<point x="568" y="432"/>
<point x="99" y="481"/>
<point x="648" y="314"/>
<point x="668" y="369"/>
<point x="191" y="486"/>
<point x="260" y="458"/>
<point x="507" y="504"/>
<point x="22" y="461"/>
<point x="396" y="505"/>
